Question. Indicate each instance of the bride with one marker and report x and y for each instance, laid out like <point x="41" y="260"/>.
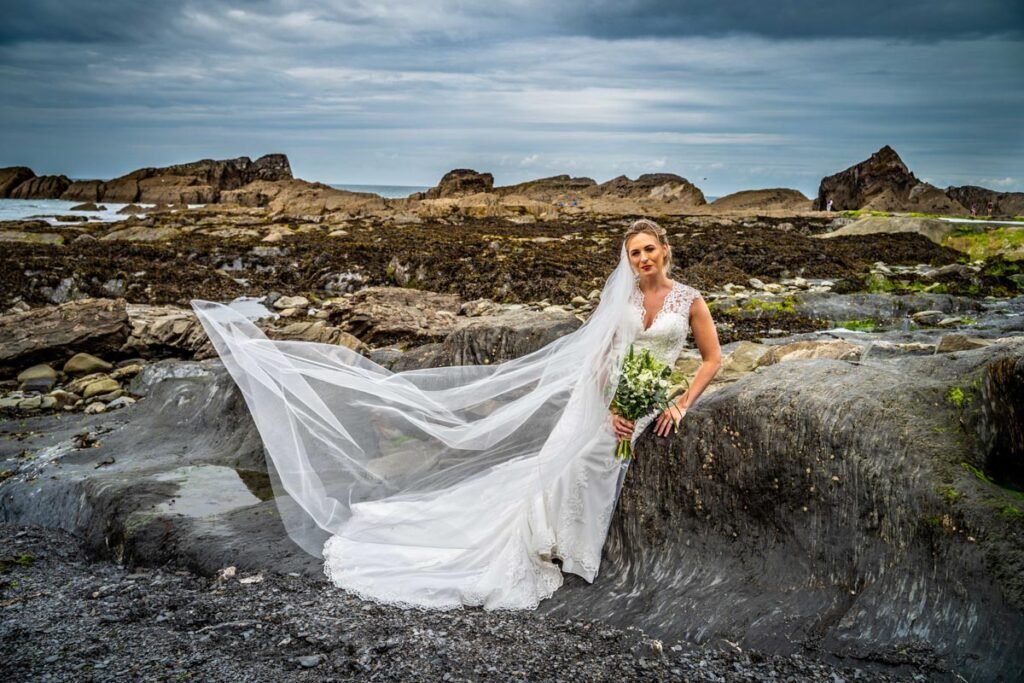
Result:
<point x="467" y="485"/>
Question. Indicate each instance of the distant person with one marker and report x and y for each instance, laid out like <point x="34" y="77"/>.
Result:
<point x="991" y="208"/>
<point x="974" y="209"/>
<point x="828" y="205"/>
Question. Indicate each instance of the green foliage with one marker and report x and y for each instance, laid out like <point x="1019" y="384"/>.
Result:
<point x="863" y="325"/>
<point x="1010" y="511"/>
<point x="951" y="495"/>
<point x="957" y="397"/>
<point x="880" y="284"/>
<point x="642" y="388"/>
<point x="861" y="213"/>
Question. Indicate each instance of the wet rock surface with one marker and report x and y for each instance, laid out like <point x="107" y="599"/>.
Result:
<point x="66" y="618"/>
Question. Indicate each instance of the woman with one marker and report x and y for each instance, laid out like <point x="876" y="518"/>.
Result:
<point x="467" y="485"/>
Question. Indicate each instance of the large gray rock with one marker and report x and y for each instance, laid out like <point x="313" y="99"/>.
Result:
<point x="814" y="505"/>
<point x="57" y="332"/>
<point x="491" y="339"/>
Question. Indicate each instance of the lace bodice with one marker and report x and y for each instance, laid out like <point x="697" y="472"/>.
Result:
<point x="666" y="336"/>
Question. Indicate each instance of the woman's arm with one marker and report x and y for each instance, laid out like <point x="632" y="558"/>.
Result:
<point x="706" y="337"/>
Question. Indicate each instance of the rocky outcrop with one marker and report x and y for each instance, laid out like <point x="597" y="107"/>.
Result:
<point x="824" y="505"/>
<point x="301" y="198"/>
<point x="772" y="199"/>
<point x="41" y="187"/>
<point x="492" y="338"/>
<point x="988" y="202"/>
<point x="662" y="187"/>
<point x="395" y="315"/>
<point x="84" y="191"/>
<point x="932" y="228"/>
<point x="555" y="188"/>
<point x="458" y="183"/>
<point x="13" y="176"/>
<point x="198" y="182"/>
<point x="44" y="334"/>
<point x="883" y="183"/>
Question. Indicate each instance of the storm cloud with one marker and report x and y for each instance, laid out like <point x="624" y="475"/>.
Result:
<point x="731" y="95"/>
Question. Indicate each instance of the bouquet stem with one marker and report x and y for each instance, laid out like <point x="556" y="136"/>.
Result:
<point x="624" y="450"/>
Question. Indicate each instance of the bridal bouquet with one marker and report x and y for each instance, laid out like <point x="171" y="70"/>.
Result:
<point x="642" y="388"/>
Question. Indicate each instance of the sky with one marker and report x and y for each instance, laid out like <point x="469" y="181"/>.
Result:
<point x="731" y="95"/>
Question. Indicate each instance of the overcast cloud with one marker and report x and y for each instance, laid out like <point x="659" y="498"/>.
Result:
<point x="732" y="95"/>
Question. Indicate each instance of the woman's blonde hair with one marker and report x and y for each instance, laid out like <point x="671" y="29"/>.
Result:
<point x="646" y="225"/>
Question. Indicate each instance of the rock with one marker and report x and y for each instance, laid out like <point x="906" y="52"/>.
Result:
<point x="40" y="378"/>
<point x="63" y="398"/>
<point x="84" y="191"/>
<point x="30" y="403"/>
<point x="552" y="189"/>
<point x="959" y="342"/>
<point x="120" y="402"/>
<point x="310" y="661"/>
<point x="662" y="187"/>
<point x="773" y="199"/>
<point x="100" y="386"/>
<point x="315" y="331"/>
<point x="41" y="187"/>
<point x="41" y="334"/>
<point x="95" y="408"/>
<point x="1001" y="203"/>
<point x="832" y="349"/>
<point x="741" y="360"/>
<point x="198" y="182"/>
<point x="928" y="317"/>
<point x="13" y="176"/>
<point x="85" y="364"/>
<point x="884" y="183"/>
<point x="492" y="339"/>
<point x="932" y="228"/>
<point x="88" y="206"/>
<point x="31" y="237"/>
<point x="141" y="233"/>
<point x="291" y="302"/>
<point x="156" y="330"/>
<point x="458" y="183"/>
<point x="77" y="386"/>
<point x="132" y="209"/>
<point x="126" y="371"/>
<point x="395" y="315"/>
<point x="755" y="283"/>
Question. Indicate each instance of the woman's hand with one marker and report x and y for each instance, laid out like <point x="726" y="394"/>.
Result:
<point x="623" y="427"/>
<point x="669" y="419"/>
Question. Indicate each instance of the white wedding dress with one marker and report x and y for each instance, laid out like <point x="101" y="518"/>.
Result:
<point x="449" y="487"/>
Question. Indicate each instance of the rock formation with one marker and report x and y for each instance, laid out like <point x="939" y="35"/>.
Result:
<point x="458" y="183"/>
<point x="883" y="183"/>
<point x="559" y="187"/>
<point x="775" y="198"/>
<point x="13" y="176"/>
<point x="988" y="202"/>
<point x="666" y="187"/>
<point x="41" y="187"/>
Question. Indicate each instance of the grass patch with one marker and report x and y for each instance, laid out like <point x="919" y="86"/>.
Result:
<point x="865" y="325"/>
<point x="861" y="213"/>
<point x="983" y="243"/>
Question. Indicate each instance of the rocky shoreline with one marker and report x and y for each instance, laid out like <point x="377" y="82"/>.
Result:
<point x="852" y="463"/>
<point x="64" y="617"/>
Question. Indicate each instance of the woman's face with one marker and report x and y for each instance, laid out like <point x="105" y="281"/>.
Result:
<point x="646" y="254"/>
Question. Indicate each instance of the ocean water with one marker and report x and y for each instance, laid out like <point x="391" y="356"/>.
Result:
<point x="388" y="191"/>
<point x="19" y="209"/>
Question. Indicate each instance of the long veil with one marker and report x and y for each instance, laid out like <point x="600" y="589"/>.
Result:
<point x="341" y="431"/>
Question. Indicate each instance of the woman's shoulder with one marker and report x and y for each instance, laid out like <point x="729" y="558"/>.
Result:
<point x="684" y="290"/>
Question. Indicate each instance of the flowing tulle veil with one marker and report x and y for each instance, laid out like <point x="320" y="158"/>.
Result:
<point x="343" y="432"/>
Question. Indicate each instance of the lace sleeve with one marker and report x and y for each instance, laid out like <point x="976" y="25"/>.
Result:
<point x="681" y="298"/>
